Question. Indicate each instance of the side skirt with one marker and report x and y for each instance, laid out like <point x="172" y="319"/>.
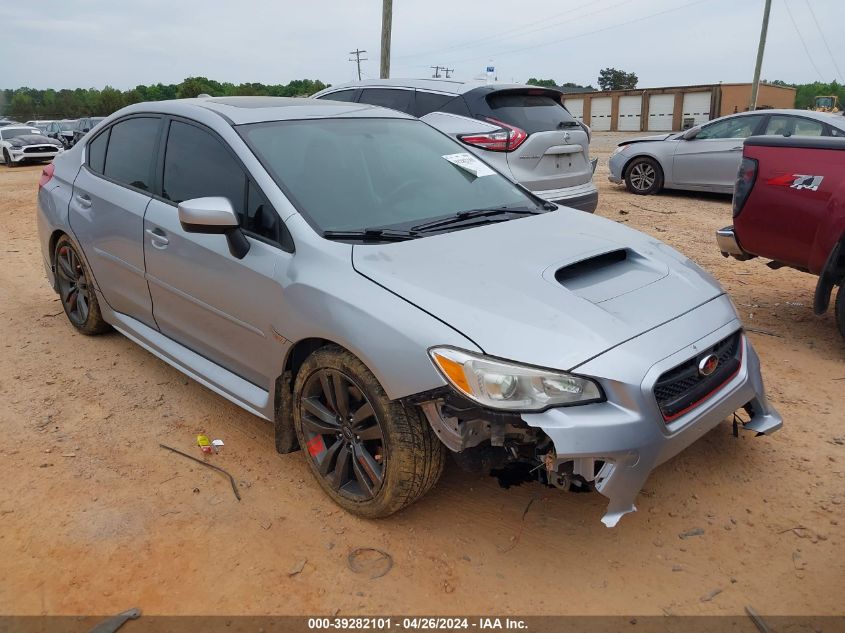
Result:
<point x="221" y="381"/>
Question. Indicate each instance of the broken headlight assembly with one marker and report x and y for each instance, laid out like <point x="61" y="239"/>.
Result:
<point x="504" y="385"/>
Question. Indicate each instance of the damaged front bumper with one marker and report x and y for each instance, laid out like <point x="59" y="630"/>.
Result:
<point x="628" y="434"/>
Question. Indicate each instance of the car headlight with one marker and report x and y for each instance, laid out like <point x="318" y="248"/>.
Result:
<point x="619" y="148"/>
<point x="500" y="384"/>
<point x="17" y="146"/>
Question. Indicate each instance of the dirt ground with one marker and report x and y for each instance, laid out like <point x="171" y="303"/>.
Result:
<point x="95" y="517"/>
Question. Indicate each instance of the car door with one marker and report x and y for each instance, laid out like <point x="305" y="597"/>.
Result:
<point x="106" y="211"/>
<point x="204" y="298"/>
<point x="711" y="159"/>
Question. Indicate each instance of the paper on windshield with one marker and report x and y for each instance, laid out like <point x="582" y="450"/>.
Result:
<point x="469" y="163"/>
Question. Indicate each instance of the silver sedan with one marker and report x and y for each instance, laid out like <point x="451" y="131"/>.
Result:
<point x="707" y="157"/>
<point x="384" y="297"/>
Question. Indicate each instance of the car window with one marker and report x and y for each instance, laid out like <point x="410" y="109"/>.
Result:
<point x="352" y="174"/>
<point x="807" y="127"/>
<point x="394" y="98"/>
<point x="131" y="150"/>
<point x="97" y="152"/>
<point x="428" y="102"/>
<point x="530" y="112"/>
<point x="12" y="132"/>
<point x="197" y="165"/>
<point x="340" y="95"/>
<point x="734" y="127"/>
<point x="835" y="131"/>
<point x="261" y="218"/>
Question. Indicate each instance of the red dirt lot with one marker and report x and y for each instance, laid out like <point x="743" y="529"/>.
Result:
<point x="95" y="517"/>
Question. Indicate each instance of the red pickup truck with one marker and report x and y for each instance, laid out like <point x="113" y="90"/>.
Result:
<point x="789" y="207"/>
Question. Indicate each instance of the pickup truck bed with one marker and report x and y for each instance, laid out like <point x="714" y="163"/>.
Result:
<point x="789" y="207"/>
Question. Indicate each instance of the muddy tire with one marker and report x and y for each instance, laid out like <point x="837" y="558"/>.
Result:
<point x="283" y="431"/>
<point x="76" y="290"/>
<point x="840" y="308"/>
<point x="8" y="159"/>
<point x="371" y="455"/>
<point x="643" y="176"/>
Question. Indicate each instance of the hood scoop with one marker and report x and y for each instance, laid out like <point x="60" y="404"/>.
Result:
<point x="609" y="275"/>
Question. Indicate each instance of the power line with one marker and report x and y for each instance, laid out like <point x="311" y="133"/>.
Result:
<point x="573" y="37"/>
<point x="546" y="25"/>
<point x="826" y="45"/>
<point x="358" y="59"/>
<point x="801" y="37"/>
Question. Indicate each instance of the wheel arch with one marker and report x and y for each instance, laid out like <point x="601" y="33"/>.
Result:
<point x="833" y="274"/>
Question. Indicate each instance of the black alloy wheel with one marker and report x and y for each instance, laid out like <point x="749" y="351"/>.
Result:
<point x="343" y="436"/>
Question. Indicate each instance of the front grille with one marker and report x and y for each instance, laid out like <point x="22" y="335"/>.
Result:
<point x="682" y="387"/>
<point x="40" y="149"/>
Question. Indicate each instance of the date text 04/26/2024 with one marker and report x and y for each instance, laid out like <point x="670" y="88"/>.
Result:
<point x="417" y="623"/>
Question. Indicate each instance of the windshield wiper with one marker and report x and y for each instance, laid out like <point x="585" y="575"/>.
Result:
<point x="382" y="235"/>
<point x="470" y="214"/>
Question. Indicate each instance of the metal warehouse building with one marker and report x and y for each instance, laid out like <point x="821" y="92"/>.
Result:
<point x="671" y="108"/>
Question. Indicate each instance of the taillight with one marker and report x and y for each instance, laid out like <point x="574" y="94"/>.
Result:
<point x="745" y="178"/>
<point x="46" y="175"/>
<point x="505" y="140"/>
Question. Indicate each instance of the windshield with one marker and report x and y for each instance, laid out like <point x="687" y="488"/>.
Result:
<point x="352" y="174"/>
<point x="67" y="126"/>
<point x="12" y="132"/>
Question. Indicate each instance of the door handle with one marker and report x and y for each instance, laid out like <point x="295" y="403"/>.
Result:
<point x="84" y="200"/>
<point x="736" y="149"/>
<point x="159" y="239"/>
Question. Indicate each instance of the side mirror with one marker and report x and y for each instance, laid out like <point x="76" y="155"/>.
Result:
<point x="214" y="215"/>
<point x="691" y="133"/>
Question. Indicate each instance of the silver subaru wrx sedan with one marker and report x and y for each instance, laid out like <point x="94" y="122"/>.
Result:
<point x="385" y="297"/>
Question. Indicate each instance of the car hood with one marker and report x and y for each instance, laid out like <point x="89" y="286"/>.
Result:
<point x="553" y="290"/>
<point x="647" y="139"/>
<point x="31" y="139"/>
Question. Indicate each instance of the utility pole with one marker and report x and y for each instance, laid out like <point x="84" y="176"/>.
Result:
<point x="386" y="24"/>
<point x="762" y="46"/>
<point x="437" y="69"/>
<point x="358" y="59"/>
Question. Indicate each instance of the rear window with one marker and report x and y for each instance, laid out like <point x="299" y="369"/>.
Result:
<point x="532" y="113"/>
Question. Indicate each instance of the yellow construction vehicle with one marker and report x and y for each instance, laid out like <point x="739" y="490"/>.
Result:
<point x="826" y="103"/>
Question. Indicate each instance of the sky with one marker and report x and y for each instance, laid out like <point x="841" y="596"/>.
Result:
<point x="123" y="43"/>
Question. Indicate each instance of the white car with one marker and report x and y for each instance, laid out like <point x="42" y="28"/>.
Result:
<point x="19" y="143"/>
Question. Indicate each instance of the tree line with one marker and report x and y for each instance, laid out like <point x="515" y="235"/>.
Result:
<point x="22" y="104"/>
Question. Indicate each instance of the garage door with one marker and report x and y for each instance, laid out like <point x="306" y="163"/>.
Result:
<point x="630" y="109"/>
<point x="660" y="111"/>
<point x="600" y="114"/>
<point x="575" y="107"/>
<point x="696" y="109"/>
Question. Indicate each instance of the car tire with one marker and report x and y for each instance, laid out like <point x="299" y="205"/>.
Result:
<point x="8" y="159"/>
<point x="372" y="467"/>
<point x="840" y="308"/>
<point x="643" y="176"/>
<point x="76" y="290"/>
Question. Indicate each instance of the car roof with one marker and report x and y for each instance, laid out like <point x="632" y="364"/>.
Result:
<point x="836" y="120"/>
<point x="450" y="86"/>
<point x="242" y="110"/>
